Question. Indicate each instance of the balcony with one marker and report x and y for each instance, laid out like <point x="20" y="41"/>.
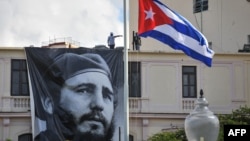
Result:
<point x="136" y="105"/>
<point x="15" y="104"/>
<point x="188" y="104"/>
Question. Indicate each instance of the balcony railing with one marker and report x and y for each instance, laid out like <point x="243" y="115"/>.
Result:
<point x="135" y="104"/>
<point x="15" y="104"/>
<point x="188" y="104"/>
<point x="22" y="104"/>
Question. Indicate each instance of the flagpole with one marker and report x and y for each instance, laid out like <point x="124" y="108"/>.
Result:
<point x="201" y="16"/>
<point x="126" y="107"/>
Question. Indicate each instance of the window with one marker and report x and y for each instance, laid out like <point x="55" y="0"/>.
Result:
<point x="134" y="74"/>
<point x="210" y="45"/>
<point x="19" y="78"/>
<point x="200" y="5"/>
<point x="25" y="137"/>
<point x="131" y="138"/>
<point x="189" y="83"/>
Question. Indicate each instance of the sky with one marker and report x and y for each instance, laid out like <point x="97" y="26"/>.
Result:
<point x="33" y="22"/>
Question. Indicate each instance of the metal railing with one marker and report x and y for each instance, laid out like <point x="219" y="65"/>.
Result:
<point x="59" y="40"/>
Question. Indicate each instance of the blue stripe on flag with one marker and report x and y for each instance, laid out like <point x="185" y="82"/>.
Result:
<point x="176" y="45"/>
<point x="187" y="29"/>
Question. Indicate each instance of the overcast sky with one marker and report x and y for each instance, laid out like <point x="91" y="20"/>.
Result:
<point x="31" y="22"/>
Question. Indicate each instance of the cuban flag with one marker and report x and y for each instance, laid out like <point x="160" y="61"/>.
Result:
<point x="156" y="20"/>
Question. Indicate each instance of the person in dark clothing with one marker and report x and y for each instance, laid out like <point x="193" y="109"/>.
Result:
<point x="137" y="41"/>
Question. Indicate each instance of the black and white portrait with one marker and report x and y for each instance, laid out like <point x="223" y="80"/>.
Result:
<point x="77" y="93"/>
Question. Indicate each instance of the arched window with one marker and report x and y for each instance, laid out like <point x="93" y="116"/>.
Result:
<point x="25" y="137"/>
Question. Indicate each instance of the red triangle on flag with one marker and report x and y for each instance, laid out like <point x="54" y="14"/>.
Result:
<point x="150" y="16"/>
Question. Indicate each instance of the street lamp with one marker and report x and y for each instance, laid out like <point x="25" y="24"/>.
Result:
<point x="201" y="124"/>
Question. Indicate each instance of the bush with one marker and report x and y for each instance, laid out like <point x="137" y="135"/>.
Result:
<point x="178" y="135"/>
<point x="239" y="116"/>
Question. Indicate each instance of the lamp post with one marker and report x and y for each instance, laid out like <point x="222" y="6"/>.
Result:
<point x="201" y="124"/>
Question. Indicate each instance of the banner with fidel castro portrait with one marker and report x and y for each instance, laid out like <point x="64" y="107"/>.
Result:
<point x="49" y="120"/>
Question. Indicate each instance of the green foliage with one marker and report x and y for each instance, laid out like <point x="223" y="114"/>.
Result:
<point x="178" y="135"/>
<point x="239" y="116"/>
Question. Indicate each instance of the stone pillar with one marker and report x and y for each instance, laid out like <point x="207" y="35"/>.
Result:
<point x="6" y="129"/>
<point x="145" y="129"/>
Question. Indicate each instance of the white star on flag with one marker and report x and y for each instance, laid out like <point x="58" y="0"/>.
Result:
<point x="149" y="14"/>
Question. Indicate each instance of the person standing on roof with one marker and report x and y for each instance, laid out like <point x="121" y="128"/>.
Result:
<point x="136" y="41"/>
<point x="111" y="40"/>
